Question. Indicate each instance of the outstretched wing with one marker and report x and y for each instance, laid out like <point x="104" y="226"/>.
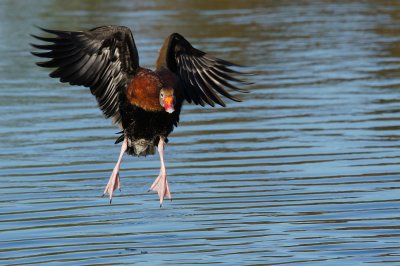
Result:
<point x="204" y="77"/>
<point x="102" y="58"/>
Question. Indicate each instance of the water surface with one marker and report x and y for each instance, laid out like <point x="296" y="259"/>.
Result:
<point x="306" y="170"/>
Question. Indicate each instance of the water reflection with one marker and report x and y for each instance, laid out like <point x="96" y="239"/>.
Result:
<point x="306" y="169"/>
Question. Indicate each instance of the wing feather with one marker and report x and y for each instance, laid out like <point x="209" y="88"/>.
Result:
<point x="203" y="77"/>
<point x="103" y="59"/>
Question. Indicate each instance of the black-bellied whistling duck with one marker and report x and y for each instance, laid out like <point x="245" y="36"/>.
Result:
<point x="145" y="103"/>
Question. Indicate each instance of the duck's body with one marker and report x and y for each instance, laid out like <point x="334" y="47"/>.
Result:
<point x="143" y="119"/>
<point x="146" y="104"/>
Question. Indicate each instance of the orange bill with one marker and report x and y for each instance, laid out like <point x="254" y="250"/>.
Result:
<point x="169" y="104"/>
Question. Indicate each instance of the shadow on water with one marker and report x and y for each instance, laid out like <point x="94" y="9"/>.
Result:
<point x="304" y="170"/>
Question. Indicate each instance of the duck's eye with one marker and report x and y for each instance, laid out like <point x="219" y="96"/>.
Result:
<point x="162" y="95"/>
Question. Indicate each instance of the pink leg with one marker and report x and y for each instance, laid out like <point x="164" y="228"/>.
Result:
<point x="113" y="182"/>
<point x="161" y="184"/>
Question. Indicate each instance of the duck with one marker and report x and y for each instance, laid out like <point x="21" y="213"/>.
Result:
<point x="145" y="104"/>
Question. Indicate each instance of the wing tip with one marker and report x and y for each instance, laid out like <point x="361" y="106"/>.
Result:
<point x="222" y="103"/>
<point x="35" y="36"/>
<point x="51" y="31"/>
<point x="233" y="98"/>
<point x="44" y="39"/>
<point x="39" y="54"/>
<point x="41" y="64"/>
<point x="36" y="46"/>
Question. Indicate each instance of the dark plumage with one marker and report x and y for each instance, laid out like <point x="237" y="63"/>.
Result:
<point x="146" y="104"/>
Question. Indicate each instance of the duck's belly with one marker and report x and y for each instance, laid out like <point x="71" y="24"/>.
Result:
<point x="144" y="129"/>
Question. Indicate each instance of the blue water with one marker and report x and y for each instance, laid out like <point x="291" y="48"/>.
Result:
<point x="306" y="170"/>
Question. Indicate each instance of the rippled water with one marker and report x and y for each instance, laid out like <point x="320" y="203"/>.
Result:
<point x="305" y="171"/>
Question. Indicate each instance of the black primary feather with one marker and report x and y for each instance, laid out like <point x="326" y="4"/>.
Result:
<point x="203" y="76"/>
<point x="103" y="58"/>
